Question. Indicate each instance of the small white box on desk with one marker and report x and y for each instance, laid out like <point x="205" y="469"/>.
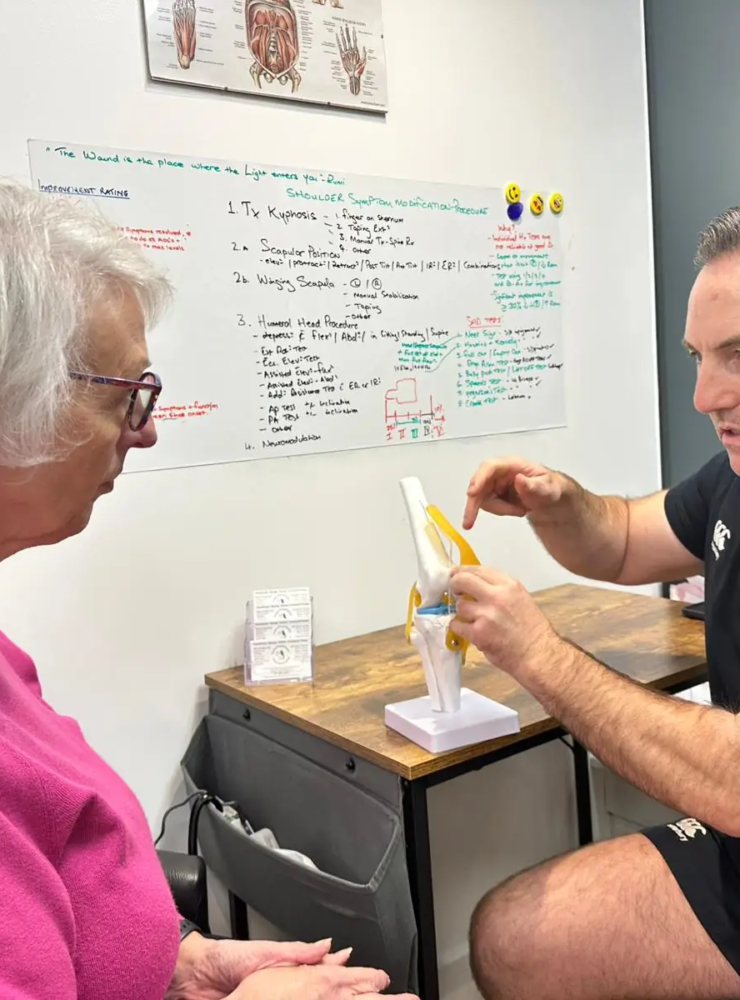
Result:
<point x="478" y="720"/>
<point x="278" y="641"/>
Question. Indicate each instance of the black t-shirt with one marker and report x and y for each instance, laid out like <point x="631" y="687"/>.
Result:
<point x="704" y="513"/>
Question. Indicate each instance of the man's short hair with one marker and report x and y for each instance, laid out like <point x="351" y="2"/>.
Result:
<point x="720" y="237"/>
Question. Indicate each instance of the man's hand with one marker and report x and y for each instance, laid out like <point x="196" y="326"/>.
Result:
<point x="501" y="619"/>
<point x="677" y="752"/>
<point x="512" y="487"/>
<point x="211" y="970"/>
<point x="600" y="537"/>
<point x="323" y="982"/>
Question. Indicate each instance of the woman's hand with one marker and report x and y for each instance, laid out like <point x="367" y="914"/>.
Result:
<point x="322" y="982"/>
<point x="212" y="970"/>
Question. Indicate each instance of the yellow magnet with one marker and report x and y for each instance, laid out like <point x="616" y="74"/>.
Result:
<point x="556" y="202"/>
<point x="513" y="194"/>
<point x="536" y="204"/>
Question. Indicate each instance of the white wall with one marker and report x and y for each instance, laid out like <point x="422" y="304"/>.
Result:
<point x="125" y="620"/>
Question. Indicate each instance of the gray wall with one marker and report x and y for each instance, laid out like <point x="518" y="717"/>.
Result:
<point x="694" y="107"/>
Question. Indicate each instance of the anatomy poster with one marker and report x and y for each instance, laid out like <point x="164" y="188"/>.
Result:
<point x="321" y="51"/>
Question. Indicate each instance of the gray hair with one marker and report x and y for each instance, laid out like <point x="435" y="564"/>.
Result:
<point x="720" y="237"/>
<point x="57" y="261"/>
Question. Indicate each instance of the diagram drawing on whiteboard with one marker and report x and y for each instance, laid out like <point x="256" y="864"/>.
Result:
<point x="272" y="37"/>
<point x="183" y="26"/>
<point x="409" y="419"/>
<point x="353" y="63"/>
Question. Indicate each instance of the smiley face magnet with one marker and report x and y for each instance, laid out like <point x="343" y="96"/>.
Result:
<point x="513" y="194"/>
<point x="536" y="204"/>
<point x="556" y="202"/>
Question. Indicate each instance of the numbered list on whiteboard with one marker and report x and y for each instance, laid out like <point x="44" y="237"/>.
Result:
<point x="320" y="312"/>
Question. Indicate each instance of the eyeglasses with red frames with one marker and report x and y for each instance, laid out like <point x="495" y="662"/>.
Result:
<point x="144" y="394"/>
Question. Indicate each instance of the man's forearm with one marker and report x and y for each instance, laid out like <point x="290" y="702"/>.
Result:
<point x="682" y="754"/>
<point x="585" y="533"/>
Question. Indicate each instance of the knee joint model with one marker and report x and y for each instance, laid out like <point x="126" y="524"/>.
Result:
<point x="431" y="608"/>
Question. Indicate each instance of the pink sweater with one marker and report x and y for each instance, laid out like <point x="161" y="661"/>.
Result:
<point x="85" y="908"/>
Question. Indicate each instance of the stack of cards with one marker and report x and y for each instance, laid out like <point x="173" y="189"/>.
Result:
<point x="279" y="638"/>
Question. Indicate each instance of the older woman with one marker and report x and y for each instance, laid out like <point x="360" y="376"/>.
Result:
<point x="88" y="913"/>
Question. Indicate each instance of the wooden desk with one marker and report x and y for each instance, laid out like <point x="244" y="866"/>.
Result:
<point x="645" y="638"/>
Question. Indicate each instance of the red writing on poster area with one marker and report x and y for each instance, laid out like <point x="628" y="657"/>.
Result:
<point x="184" y="411"/>
<point x="158" y="239"/>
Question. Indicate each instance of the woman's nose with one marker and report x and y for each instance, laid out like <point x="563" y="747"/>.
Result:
<point x="144" y="438"/>
<point x="148" y="434"/>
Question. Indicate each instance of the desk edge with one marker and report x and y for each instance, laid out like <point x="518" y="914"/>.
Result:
<point x="434" y="764"/>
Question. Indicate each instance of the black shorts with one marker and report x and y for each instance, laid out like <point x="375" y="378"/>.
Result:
<point x="706" y="865"/>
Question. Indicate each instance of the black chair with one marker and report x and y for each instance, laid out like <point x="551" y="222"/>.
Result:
<point x="188" y="881"/>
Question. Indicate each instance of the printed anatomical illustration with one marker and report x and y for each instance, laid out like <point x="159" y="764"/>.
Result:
<point x="272" y="36"/>
<point x="354" y="63"/>
<point x="334" y="3"/>
<point x="183" y="24"/>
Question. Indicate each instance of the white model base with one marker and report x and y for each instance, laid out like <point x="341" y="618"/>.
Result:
<point x="478" y="719"/>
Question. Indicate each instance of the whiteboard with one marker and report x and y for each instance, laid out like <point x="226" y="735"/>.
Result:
<point x="321" y="51"/>
<point x="321" y="311"/>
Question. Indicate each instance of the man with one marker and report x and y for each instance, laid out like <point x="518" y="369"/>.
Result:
<point x="654" y="914"/>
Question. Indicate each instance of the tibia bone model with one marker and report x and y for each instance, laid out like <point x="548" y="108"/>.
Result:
<point x="442" y="666"/>
<point x="431" y="608"/>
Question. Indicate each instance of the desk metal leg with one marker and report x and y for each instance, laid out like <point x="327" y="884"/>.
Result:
<point x="239" y="918"/>
<point x="419" y="862"/>
<point x="583" y="794"/>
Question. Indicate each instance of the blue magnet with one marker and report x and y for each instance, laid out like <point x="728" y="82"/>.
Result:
<point x="515" y="211"/>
